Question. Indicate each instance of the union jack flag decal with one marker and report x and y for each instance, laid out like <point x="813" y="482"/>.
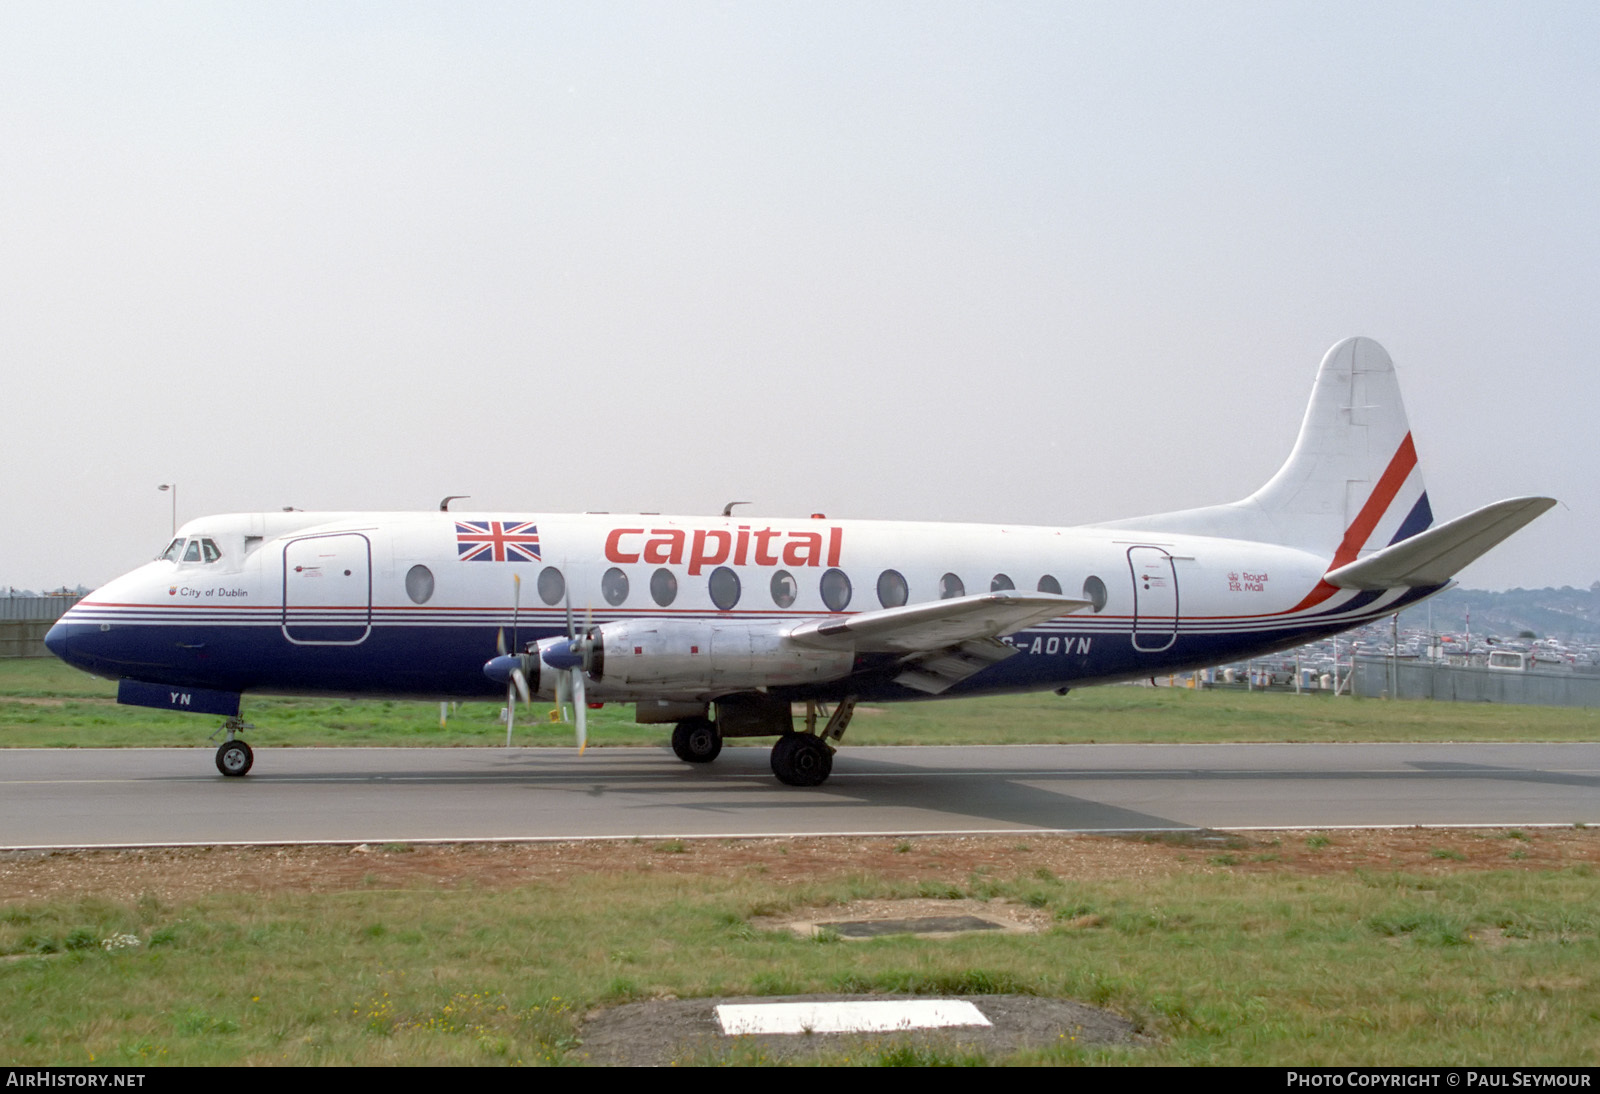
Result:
<point x="496" y="541"/>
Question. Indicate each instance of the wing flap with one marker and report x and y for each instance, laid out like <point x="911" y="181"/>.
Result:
<point x="1435" y="556"/>
<point x="937" y="672"/>
<point x="937" y="625"/>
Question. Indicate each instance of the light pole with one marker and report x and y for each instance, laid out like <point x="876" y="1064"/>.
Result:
<point x="172" y="486"/>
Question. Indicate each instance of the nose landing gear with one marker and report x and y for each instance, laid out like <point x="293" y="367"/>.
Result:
<point x="234" y="756"/>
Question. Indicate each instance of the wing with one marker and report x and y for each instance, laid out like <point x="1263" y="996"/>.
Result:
<point x="945" y="641"/>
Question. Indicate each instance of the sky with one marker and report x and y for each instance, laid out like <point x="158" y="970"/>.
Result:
<point x="1026" y="263"/>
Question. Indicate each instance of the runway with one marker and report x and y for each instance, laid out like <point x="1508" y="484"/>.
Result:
<point x="141" y="797"/>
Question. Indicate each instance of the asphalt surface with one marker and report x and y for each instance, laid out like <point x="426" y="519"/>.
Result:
<point x="133" y="797"/>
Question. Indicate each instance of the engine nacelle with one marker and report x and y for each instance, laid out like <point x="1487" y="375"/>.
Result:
<point x="697" y="657"/>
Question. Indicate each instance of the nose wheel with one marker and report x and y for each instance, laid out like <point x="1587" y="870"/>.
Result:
<point x="234" y="758"/>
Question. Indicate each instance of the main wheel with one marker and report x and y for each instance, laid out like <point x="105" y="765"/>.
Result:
<point x="234" y="758"/>
<point x="696" y="741"/>
<point x="799" y="759"/>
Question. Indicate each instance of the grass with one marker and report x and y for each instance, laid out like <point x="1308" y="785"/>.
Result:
<point x="44" y="703"/>
<point x="1349" y="969"/>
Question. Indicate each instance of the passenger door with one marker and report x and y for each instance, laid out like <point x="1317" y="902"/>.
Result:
<point x="327" y="589"/>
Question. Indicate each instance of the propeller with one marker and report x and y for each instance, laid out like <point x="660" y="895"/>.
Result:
<point x="573" y="659"/>
<point x="511" y="669"/>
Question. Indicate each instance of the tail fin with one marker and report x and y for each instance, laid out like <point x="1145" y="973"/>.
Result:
<point x="1351" y="482"/>
<point x="1351" y="491"/>
<point x="1352" y="478"/>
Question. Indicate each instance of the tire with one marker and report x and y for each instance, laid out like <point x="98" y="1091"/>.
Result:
<point x="799" y="759"/>
<point x="696" y="741"/>
<point x="234" y="758"/>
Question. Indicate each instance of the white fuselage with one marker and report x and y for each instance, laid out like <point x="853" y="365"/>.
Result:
<point x="410" y="603"/>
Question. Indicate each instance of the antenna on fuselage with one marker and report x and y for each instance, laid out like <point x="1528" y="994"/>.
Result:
<point x="444" y="504"/>
<point x="727" y="510"/>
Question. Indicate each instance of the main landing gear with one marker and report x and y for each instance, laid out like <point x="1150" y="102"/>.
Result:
<point x="234" y="756"/>
<point x="696" y="740"/>
<point x="799" y="758"/>
<point x="806" y="759"/>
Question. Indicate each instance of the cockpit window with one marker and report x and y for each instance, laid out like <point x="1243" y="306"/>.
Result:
<point x="197" y="550"/>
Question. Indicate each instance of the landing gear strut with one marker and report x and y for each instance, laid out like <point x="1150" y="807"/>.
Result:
<point x="696" y="740"/>
<point x="806" y="759"/>
<point x="234" y="756"/>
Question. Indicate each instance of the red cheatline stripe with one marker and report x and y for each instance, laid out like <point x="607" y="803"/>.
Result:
<point x="1360" y="530"/>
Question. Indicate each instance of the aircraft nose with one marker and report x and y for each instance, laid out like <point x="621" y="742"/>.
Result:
<point x="95" y="647"/>
<point x="55" y="639"/>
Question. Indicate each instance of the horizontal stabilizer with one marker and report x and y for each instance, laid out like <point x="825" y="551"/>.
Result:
<point x="914" y="628"/>
<point x="1435" y="556"/>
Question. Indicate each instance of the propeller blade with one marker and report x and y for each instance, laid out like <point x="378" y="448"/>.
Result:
<point x="500" y="642"/>
<point x="511" y="712"/>
<point x="580" y="710"/>
<point x="520" y="682"/>
<point x="516" y="606"/>
<point x="588" y="637"/>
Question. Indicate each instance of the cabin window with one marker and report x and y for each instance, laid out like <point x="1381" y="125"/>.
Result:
<point x="663" y="587"/>
<point x="174" y="550"/>
<point x="950" y="587"/>
<point x="724" y="588"/>
<point x="784" y="589"/>
<point x="836" y="590"/>
<point x="1094" y="591"/>
<point x="1000" y="583"/>
<point x="892" y="591"/>
<point x="419" y="584"/>
<point x="552" y="586"/>
<point x="614" y="586"/>
<point x="192" y="552"/>
<point x="1048" y="584"/>
<point x="251" y="543"/>
<point x="209" y="550"/>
